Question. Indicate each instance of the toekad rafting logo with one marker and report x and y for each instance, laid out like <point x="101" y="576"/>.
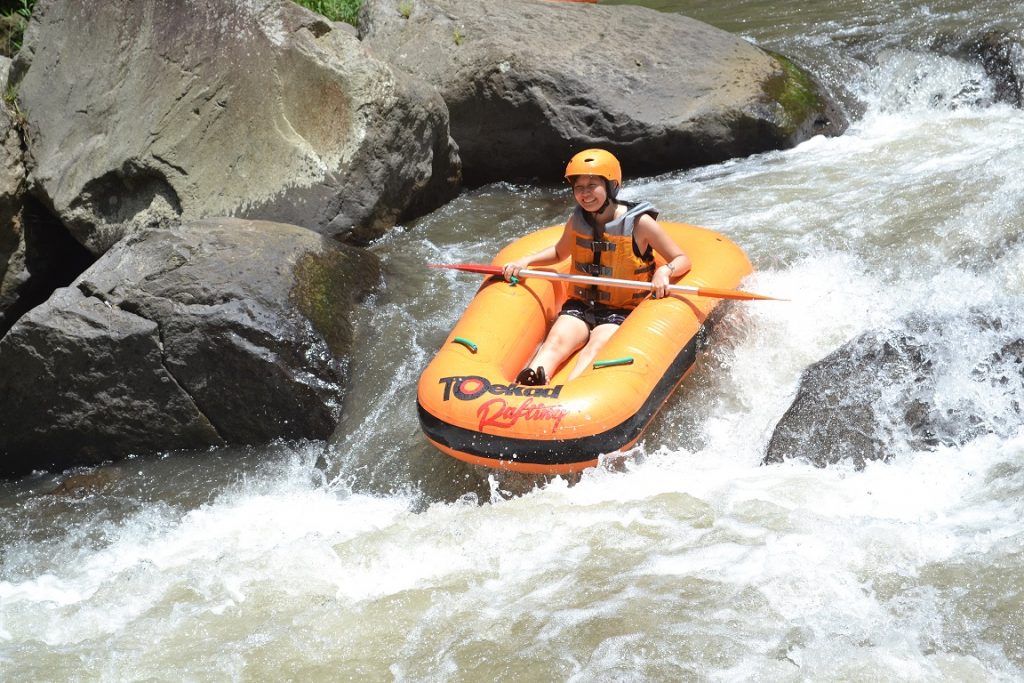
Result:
<point x="473" y="387"/>
<point x="503" y="414"/>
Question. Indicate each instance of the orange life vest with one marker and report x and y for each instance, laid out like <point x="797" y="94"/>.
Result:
<point x="613" y="255"/>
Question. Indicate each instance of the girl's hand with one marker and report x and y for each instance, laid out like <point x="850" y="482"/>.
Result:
<point x="511" y="270"/>
<point x="660" y="282"/>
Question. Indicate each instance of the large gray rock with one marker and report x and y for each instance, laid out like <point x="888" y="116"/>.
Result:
<point x="220" y="331"/>
<point x="148" y="112"/>
<point x="12" y="182"/>
<point x="36" y="253"/>
<point x="529" y="82"/>
<point x="910" y="387"/>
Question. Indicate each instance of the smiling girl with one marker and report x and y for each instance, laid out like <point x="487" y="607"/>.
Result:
<point x="606" y="237"/>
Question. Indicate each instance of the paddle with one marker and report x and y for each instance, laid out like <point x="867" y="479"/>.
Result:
<point x="710" y="292"/>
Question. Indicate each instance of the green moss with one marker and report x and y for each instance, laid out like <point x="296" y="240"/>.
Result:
<point x="335" y="10"/>
<point x="796" y="92"/>
<point x="326" y="286"/>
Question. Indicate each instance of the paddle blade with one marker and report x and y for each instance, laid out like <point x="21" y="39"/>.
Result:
<point x="481" y="268"/>
<point x="739" y="294"/>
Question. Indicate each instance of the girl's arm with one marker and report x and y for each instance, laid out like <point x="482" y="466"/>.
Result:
<point x="677" y="263"/>
<point x="559" y="251"/>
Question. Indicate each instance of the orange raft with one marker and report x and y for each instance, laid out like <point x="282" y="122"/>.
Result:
<point x="471" y="408"/>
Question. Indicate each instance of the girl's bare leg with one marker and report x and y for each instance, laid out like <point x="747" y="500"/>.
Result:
<point x="566" y="335"/>
<point x="599" y="336"/>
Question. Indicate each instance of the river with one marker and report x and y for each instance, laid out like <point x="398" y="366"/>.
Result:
<point x="373" y="557"/>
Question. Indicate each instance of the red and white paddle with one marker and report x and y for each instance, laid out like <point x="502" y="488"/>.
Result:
<point x="710" y="292"/>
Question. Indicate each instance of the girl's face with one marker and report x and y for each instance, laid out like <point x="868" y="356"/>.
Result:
<point x="590" y="191"/>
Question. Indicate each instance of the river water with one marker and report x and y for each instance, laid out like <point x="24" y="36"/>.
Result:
<point x="373" y="557"/>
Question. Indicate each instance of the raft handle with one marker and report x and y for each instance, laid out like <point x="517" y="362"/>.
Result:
<point x="465" y="342"/>
<point x="628" y="360"/>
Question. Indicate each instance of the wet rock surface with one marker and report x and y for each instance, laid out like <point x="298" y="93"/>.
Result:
<point x="902" y="389"/>
<point x="181" y="339"/>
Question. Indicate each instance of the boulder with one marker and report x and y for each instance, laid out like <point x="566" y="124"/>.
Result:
<point x="45" y="257"/>
<point x="12" y="183"/>
<point x="218" y="331"/>
<point x="530" y="82"/>
<point x="889" y="390"/>
<point x="1002" y="57"/>
<point x="147" y="113"/>
<point x="999" y="52"/>
<point x="37" y="254"/>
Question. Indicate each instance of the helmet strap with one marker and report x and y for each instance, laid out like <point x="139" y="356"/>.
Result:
<point x="610" y="190"/>
<point x="592" y="215"/>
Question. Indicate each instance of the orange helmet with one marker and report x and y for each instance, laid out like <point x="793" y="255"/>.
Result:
<point x="595" y="162"/>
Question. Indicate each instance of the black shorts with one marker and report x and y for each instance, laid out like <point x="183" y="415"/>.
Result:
<point x="594" y="314"/>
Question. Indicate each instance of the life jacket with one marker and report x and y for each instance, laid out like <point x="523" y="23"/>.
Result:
<point x="611" y="254"/>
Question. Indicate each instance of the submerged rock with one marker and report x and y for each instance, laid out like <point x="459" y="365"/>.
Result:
<point x="999" y="53"/>
<point x="530" y="82"/>
<point x="1003" y="58"/>
<point x="87" y="482"/>
<point x="220" y="331"/>
<point x="890" y="390"/>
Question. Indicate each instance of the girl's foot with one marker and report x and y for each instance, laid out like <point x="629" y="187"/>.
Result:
<point x="532" y="378"/>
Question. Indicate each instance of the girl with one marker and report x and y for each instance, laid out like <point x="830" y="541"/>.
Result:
<point x="606" y="238"/>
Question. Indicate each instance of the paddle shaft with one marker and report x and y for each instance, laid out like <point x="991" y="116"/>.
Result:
<point x="602" y="281"/>
<point x="711" y="292"/>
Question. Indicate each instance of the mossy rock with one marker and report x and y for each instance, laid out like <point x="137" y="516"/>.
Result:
<point x="326" y="283"/>
<point x="805" y="111"/>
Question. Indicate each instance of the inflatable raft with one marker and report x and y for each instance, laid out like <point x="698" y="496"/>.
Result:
<point x="471" y="408"/>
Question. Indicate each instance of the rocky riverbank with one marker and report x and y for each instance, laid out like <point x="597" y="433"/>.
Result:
<point x="178" y="182"/>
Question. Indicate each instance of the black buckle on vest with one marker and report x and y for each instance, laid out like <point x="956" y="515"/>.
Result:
<point x="590" y="294"/>
<point x="593" y="268"/>
<point x="595" y="245"/>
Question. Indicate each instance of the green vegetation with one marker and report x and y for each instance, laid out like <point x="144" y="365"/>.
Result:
<point x="10" y="106"/>
<point x="14" y="16"/>
<point x="335" y="10"/>
<point x="405" y="8"/>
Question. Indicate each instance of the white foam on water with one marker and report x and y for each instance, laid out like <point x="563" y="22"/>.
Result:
<point x="804" y="557"/>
